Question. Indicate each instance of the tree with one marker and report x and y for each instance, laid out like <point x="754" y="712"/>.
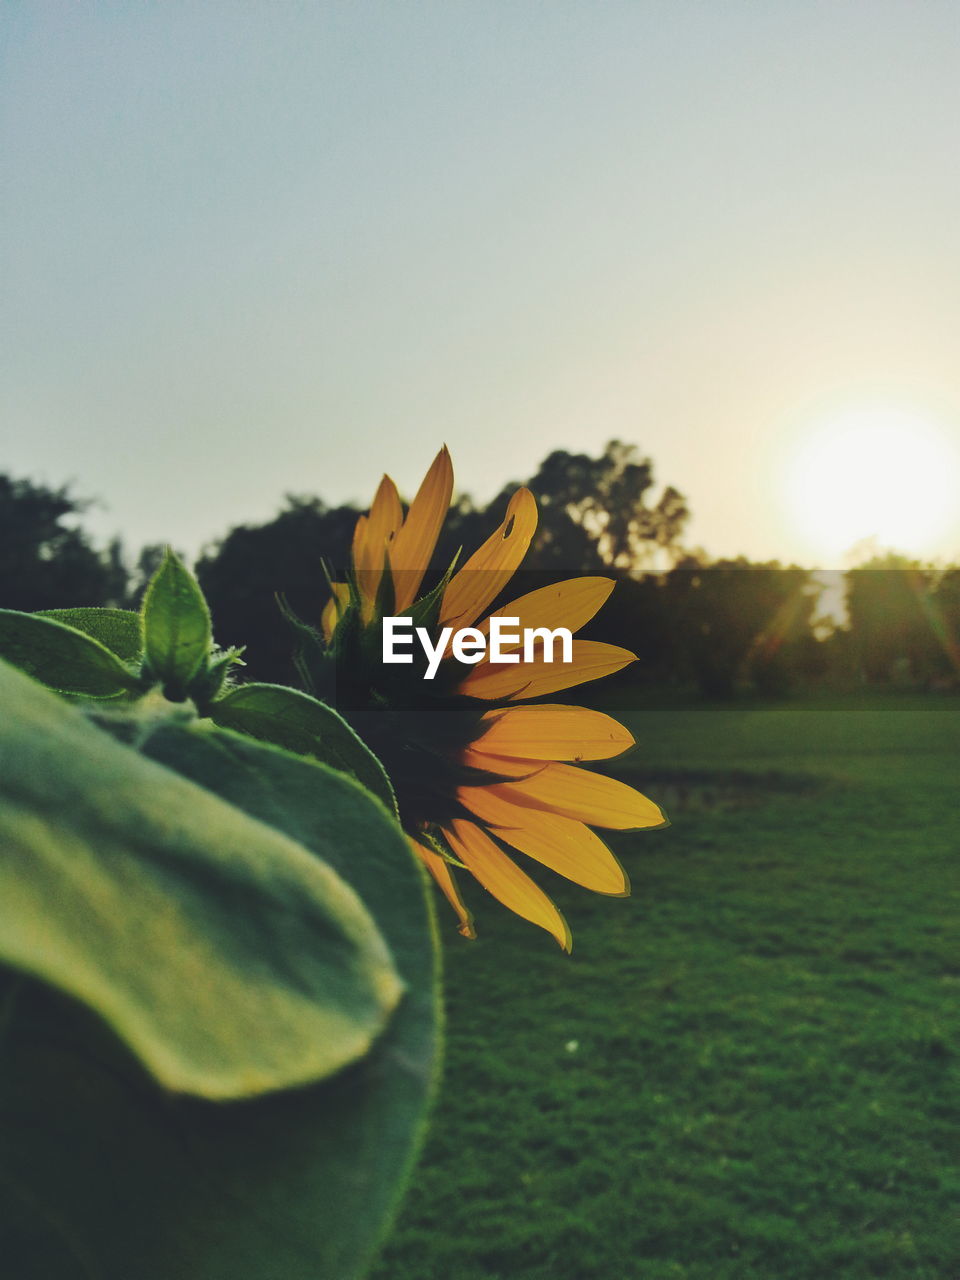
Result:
<point x="739" y="621"/>
<point x="945" y="621"/>
<point x="595" y="514"/>
<point x="888" y="601"/>
<point x="594" y="518"/>
<point x="606" y="497"/>
<point x="46" y="562"/>
<point x="243" y="575"/>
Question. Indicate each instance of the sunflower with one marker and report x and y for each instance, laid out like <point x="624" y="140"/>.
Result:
<point x="475" y="770"/>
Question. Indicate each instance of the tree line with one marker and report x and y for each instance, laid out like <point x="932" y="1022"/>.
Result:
<point x="720" y="626"/>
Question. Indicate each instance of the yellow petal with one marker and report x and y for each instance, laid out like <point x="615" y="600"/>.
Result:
<point x="358" y="549"/>
<point x="443" y="874"/>
<point x="502" y="877"/>
<point x="334" y="608"/>
<point x="489" y="570"/>
<point x="414" y="544"/>
<point x="569" y="604"/>
<point x="590" y="661"/>
<point x="371" y="538"/>
<point x="501" y="765"/>
<point x="373" y="531"/>
<point x="552" y="732"/>
<point x="575" y="793"/>
<point x="563" y="845"/>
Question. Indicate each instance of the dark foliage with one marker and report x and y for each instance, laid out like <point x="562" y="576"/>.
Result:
<point x="721" y="626"/>
<point x="594" y="515"/>
<point x="46" y="562"/>
<point x="254" y="564"/>
<point x="904" y="621"/>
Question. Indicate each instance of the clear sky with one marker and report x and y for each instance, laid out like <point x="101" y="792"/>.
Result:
<point x="255" y="248"/>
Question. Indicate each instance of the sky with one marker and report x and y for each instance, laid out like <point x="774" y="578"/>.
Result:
<point x="251" y="249"/>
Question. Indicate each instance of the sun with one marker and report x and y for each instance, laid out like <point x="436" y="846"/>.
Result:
<point x="874" y="474"/>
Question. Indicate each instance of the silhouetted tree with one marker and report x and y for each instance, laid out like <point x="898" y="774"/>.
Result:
<point x="46" y="562"/>
<point x="242" y="576"/>
<point x="639" y="616"/>
<point x="945" y="624"/>
<point x="888" y="607"/>
<point x="607" y="498"/>
<point x="739" y="621"/>
<point x="595" y="515"/>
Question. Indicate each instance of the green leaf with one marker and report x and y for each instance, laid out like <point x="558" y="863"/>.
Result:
<point x="119" y="630"/>
<point x="61" y="656"/>
<point x="229" y="959"/>
<point x="373" y="1116"/>
<point x="300" y="723"/>
<point x="104" y="1177"/>
<point x="176" y="626"/>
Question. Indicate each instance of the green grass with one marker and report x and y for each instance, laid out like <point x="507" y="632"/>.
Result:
<point x="749" y="1068"/>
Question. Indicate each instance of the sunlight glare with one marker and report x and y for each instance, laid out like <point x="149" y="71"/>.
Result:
<point x="882" y="475"/>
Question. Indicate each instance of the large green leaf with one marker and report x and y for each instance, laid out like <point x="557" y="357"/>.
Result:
<point x="108" y="1178"/>
<point x="62" y="657"/>
<point x="176" y="626"/>
<point x="119" y="630"/>
<point x="373" y="1115"/>
<point x="229" y="958"/>
<point x="300" y="723"/>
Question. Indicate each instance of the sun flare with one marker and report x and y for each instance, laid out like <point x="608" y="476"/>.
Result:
<point x="878" y="475"/>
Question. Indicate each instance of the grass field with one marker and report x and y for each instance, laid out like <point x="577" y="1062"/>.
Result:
<point x="749" y="1068"/>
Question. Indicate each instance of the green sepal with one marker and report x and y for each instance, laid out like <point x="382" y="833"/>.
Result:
<point x="62" y="657"/>
<point x="441" y="848"/>
<point x="426" y="611"/>
<point x="350" y="633"/>
<point x="309" y="648"/>
<point x="209" y="684"/>
<point x="119" y="630"/>
<point x="331" y="583"/>
<point x="176" y="627"/>
<point x="370" y="632"/>
<point x="298" y="722"/>
<point x="385" y="601"/>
